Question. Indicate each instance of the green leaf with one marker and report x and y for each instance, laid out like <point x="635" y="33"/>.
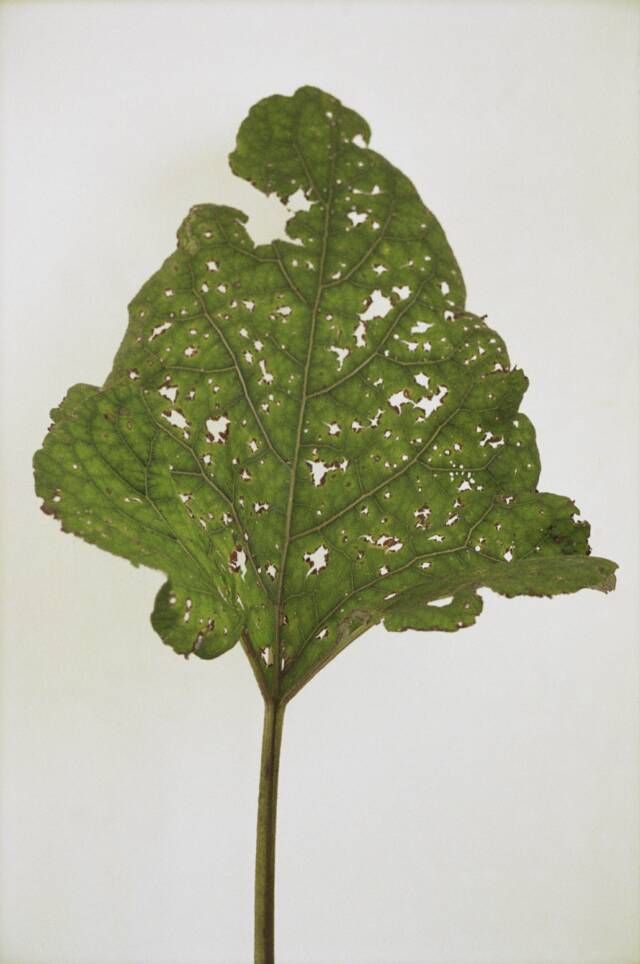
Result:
<point x="312" y="436"/>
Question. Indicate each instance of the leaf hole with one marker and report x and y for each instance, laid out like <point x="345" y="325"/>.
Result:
<point x="317" y="560"/>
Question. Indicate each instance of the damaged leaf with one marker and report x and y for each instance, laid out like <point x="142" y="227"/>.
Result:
<point x="315" y="435"/>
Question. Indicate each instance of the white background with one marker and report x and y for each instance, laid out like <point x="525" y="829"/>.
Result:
<point x="444" y="798"/>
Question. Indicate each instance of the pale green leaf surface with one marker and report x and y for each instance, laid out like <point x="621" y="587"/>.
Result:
<point x="312" y="436"/>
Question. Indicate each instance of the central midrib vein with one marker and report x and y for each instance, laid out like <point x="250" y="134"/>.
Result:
<point x="277" y="658"/>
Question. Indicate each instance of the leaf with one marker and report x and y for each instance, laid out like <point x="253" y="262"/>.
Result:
<point x="312" y="436"/>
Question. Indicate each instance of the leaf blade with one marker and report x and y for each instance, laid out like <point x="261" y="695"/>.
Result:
<point x="315" y="435"/>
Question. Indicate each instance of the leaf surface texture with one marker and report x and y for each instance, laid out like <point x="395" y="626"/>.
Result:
<point x="312" y="436"/>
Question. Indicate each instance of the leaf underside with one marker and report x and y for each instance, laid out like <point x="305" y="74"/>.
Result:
<point x="314" y="435"/>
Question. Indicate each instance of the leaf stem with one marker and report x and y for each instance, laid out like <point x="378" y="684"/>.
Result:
<point x="266" y="832"/>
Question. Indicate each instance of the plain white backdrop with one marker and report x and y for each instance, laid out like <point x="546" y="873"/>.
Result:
<point x="445" y="799"/>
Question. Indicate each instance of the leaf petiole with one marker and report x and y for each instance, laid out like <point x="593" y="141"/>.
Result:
<point x="266" y="832"/>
